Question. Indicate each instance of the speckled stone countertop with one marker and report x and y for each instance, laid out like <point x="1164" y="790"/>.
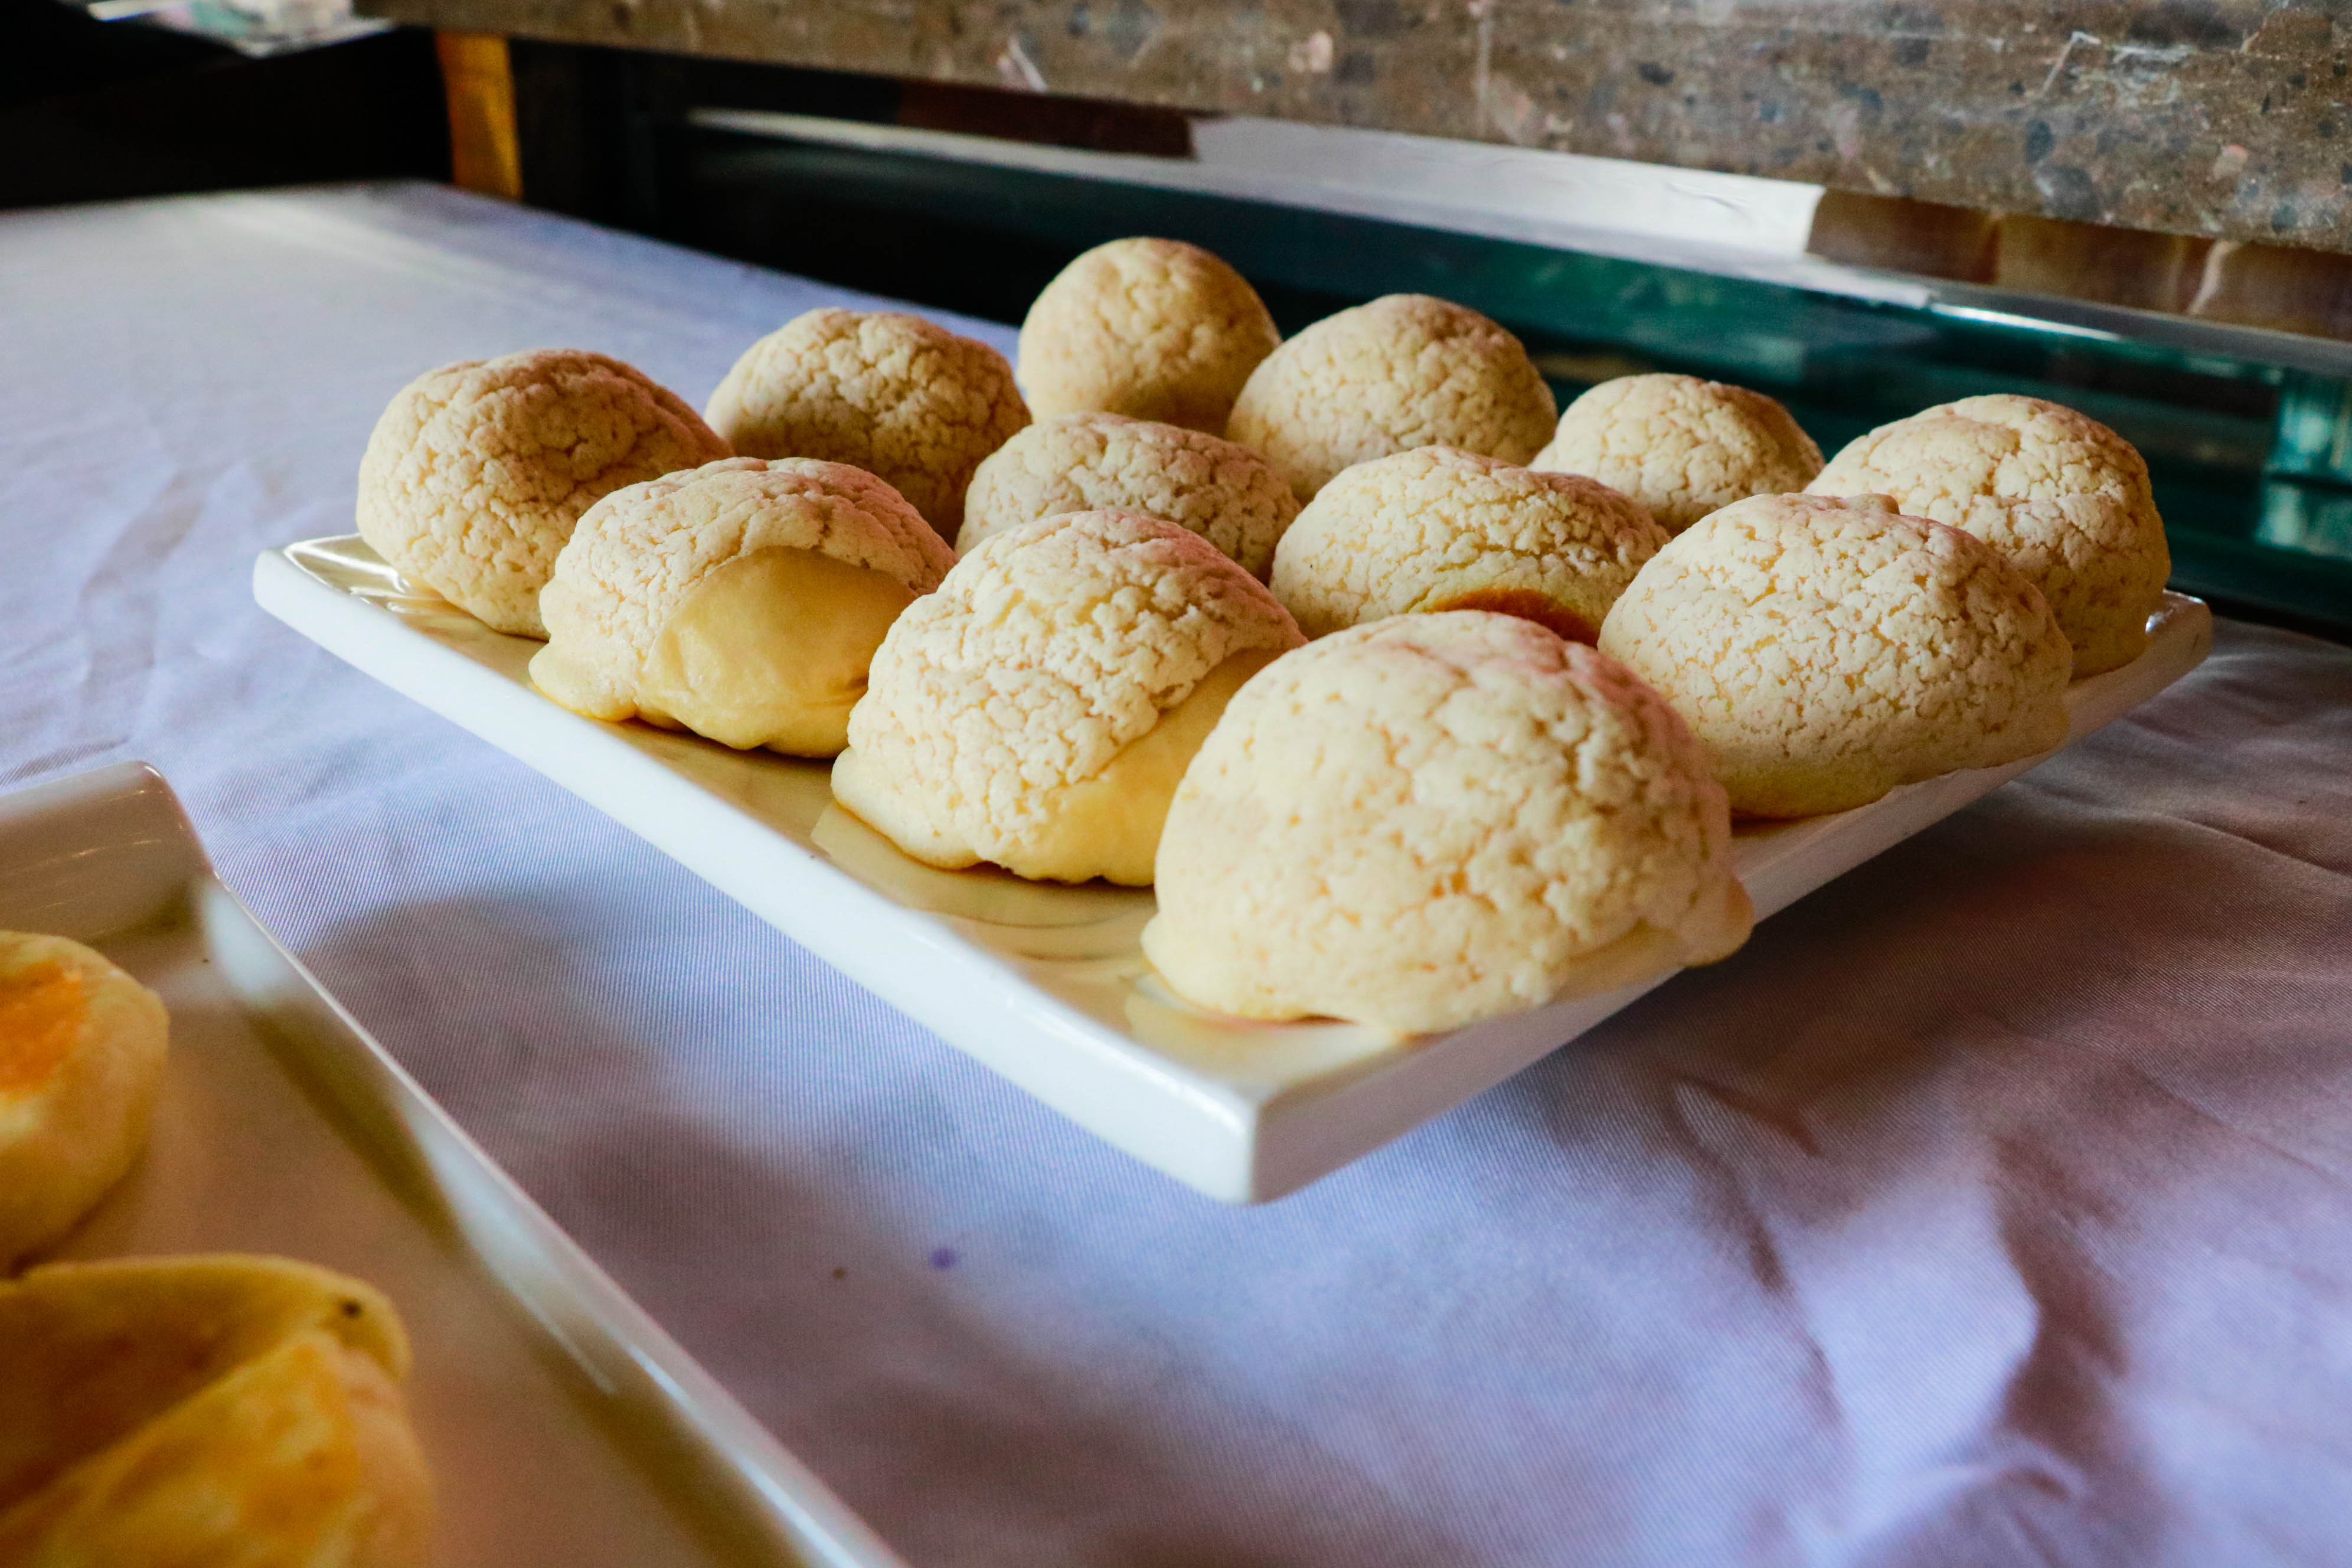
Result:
<point x="2230" y="118"/>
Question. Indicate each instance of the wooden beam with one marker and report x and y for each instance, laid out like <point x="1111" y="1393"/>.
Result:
<point x="485" y="151"/>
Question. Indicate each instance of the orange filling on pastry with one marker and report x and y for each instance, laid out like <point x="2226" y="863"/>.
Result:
<point x="41" y="1012"/>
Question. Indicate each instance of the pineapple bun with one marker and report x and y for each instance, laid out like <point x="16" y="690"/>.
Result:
<point x="1404" y="371"/>
<point x="1430" y="820"/>
<point x="2065" y="499"/>
<point x="1154" y="328"/>
<point x="1037" y="710"/>
<point x="1437" y="529"/>
<point x="1086" y="462"/>
<point x="743" y="600"/>
<point x="1682" y="446"/>
<point x="477" y="471"/>
<point x="1827" y="649"/>
<point x="887" y="393"/>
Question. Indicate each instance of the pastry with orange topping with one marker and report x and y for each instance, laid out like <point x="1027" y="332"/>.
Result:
<point x="81" y="1053"/>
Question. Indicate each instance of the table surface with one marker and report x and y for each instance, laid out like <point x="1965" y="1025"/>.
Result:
<point x="1990" y="1205"/>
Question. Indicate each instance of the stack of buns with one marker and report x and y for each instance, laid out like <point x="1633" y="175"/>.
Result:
<point x="1553" y="654"/>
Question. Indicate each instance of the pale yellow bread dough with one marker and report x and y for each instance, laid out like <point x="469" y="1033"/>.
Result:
<point x="1436" y="529"/>
<point x="1681" y="446"/>
<point x="1154" y="328"/>
<point x="1827" y="649"/>
<point x="1036" y="710"/>
<point x="882" y="391"/>
<point x="1422" y="822"/>
<point x="1404" y="371"/>
<point x="476" y="473"/>
<point x="206" y="1409"/>
<point x="770" y="650"/>
<point x="1086" y="462"/>
<point x="743" y="600"/>
<point x="81" y="1056"/>
<point x="2063" y="497"/>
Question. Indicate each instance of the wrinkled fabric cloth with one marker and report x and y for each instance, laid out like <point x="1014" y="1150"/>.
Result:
<point x="1991" y="1207"/>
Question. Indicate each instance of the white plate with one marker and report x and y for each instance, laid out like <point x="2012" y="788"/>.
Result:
<point x="562" y="1427"/>
<point x="1045" y="983"/>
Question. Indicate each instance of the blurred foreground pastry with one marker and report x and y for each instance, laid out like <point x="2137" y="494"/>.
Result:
<point x="1086" y="462"/>
<point x="476" y="473"/>
<point x="1680" y="445"/>
<point x="1435" y="819"/>
<point x="1402" y="371"/>
<point x="1155" y="329"/>
<point x="743" y="600"/>
<point x="881" y="390"/>
<point x="205" y="1411"/>
<point x="81" y="1055"/>
<point x="1435" y="529"/>
<point x="1828" y="649"/>
<point x="1038" y="710"/>
<point x="2063" y="497"/>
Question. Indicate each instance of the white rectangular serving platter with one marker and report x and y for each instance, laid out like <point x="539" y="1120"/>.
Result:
<point x="562" y="1427"/>
<point x="1046" y="983"/>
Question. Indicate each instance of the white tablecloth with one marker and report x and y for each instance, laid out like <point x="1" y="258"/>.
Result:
<point x="1991" y="1207"/>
